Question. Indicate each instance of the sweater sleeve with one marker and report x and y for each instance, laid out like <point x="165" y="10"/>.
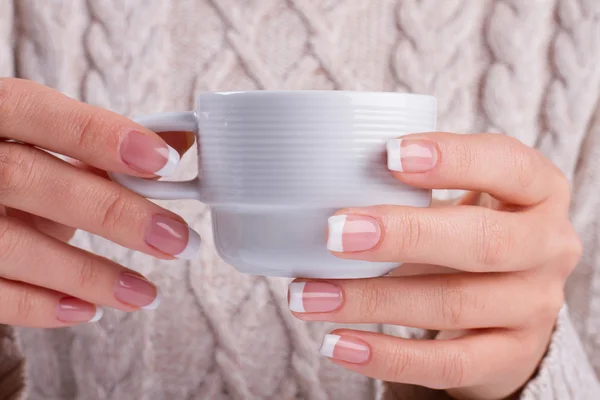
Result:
<point x="565" y="372"/>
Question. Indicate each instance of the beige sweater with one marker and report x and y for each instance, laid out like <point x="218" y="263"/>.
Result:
<point x="530" y="68"/>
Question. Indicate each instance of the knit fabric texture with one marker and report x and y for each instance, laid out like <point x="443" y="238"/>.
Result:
<point x="528" y="68"/>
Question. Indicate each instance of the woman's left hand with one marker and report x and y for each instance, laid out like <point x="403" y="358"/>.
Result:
<point x="487" y="272"/>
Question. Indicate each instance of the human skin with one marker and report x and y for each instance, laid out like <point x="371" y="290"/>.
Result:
<point x="45" y="282"/>
<point x="487" y="272"/>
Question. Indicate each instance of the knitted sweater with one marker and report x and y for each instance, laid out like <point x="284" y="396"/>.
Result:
<point x="529" y="68"/>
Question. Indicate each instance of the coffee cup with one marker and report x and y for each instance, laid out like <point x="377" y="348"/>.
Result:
<point x="275" y="165"/>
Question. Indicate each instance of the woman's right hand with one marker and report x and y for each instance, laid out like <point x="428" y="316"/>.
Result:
<point x="45" y="282"/>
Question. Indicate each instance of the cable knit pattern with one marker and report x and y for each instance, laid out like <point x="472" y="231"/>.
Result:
<point x="60" y="46"/>
<point x="6" y="45"/>
<point x="420" y="63"/>
<point x="527" y="68"/>
<point x="572" y="95"/>
<point x="517" y="63"/>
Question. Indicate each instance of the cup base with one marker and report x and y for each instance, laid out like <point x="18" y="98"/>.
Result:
<point x="367" y="271"/>
<point x="287" y="243"/>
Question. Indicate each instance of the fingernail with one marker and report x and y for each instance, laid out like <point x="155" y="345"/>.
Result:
<point x="136" y="291"/>
<point x="411" y="155"/>
<point x="172" y="237"/>
<point x="70" y="309"/>
<point x="307" y="297"/>
<point x="349" y="233"/>
<point x="345" y="348"/>
<point x="149" y="154"/>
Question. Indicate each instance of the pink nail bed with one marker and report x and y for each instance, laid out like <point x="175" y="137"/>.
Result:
<point x="71" y="309"/>
<point x="136" y="291"/>
<point x="351" y="233"/>
<point x="411" y="155"/>
<point x="345" y="348"/>
<point x="172" y="237"/>
<point x="314" y="297"/>
<point x="148" y="154"/>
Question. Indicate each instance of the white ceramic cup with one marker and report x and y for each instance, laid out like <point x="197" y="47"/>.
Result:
<point x="274" y="165"/>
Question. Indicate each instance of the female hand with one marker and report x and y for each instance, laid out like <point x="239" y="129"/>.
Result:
<point x="44" y="282"/>
<point x="509" y="254"/>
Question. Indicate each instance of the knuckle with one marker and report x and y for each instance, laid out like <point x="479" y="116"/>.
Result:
<point x="5" y="232"/>
<point x="372" y="298"/>
<point x="524" y="161"/>
<point x="492" y="241"/>
<point x="87" y="272"/>
<point x="17" y="164"/>
<point x="454" y="368"/>
<point x="113" y="211"/>
<point x="562" y="188"/>
<point x="8" y="240"/>
<point x="94" y="133"/>
<point x="464" y="159"/>
<point x="16" y="98"/>
<point x="453" y="298"/>
<point x="81" y="129"/>
<point x="550" y="303"/>
<point x="398" y="360"/>
<point x="569" y="249"/>
<point x="24" y="305"/>
<point x="574" y="249"/>
<point x="409" y="230"/>
<point x="527" y="343"/>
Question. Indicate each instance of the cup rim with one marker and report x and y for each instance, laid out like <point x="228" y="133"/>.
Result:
<point x="401" y="100"/>
<point x="260" y="92"/>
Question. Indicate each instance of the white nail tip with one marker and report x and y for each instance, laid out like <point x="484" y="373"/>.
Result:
<point x="336" y="231"/>
<point x="192" y="247"/>
<point x="296" y="290"/>
<point x="329" y="343"/>
<point x="171" y="165"/>
<point x="155" y="303"/>
<point x="394" y="155"/>
<point x="98" y="315"/>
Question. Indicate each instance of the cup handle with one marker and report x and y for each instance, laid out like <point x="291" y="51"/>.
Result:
<point x="163" y="122"/>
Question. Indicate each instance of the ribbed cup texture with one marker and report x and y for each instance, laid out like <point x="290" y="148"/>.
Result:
<point x="305" y="148"/>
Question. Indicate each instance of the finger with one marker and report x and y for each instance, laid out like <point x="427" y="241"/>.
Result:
<point x="436" y="302"/>
<point x="28" y="256"/>
<point x="50" y="228"/>
<point x="180" y="142"/>
<point x="41" y="184"/>
<point x="491" y="163"/>
<point x="35" y="114"/>
<point x="436" y="364"/>
<point x="467" y="238"/>
<point x="35" y="307"/>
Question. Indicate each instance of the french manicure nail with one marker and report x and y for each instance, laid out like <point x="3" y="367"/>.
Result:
<point x="345" y="348"/>
<point x="411" y="155"/>
<point x="351" y="233"/>
<point x="149" y="154"/>
<point x="314" y="297"/>
<point x="172" y="237"/>
<point x="71" y="309"/>
<point x="136" y="291"/>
